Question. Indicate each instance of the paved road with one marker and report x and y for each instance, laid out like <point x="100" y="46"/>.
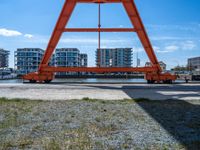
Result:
<point x="66" y="91"/>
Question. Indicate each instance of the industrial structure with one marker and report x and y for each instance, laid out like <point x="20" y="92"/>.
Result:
<point x="46" y="73"/>
<point x="114" y="57"/>
<point x="4" y="55"/>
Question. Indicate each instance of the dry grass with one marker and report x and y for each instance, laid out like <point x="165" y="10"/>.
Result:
<point x="97" y="124"/>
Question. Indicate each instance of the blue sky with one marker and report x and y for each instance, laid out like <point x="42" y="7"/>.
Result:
<point x="172" y="25"/>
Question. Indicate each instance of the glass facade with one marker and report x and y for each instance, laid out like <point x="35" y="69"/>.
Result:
<point x="116" y="57"/>
<point x="4" y="54"/>
<point x="28" y="59"/>
<point x="69" y="57"/>
<point x="194" y="64"/>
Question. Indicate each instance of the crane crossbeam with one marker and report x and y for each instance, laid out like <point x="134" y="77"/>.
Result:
<point x="99" y="30"/>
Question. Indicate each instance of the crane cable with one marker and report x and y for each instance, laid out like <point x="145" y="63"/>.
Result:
<point x="99" y="33"/>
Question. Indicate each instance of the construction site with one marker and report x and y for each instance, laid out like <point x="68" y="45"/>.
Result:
<point x="160" y="110"/>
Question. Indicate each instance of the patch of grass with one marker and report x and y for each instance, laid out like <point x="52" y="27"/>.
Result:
<point x="11" y="120"/>
<point x="124" y="101"/>
<point x="6" y="100"/>
<point x="102" y="129"/>
<point x="21" y="144"/>
<point x="86" y="99"/>
<point x="37" y="128"/>
<point x="18" y="100"/>
<point x="7" y="145"/>
<point x="98" y="119"/>
<point x="52" y="145"/>
<point x="24" y="143"/>
<point x="77" y="139"/>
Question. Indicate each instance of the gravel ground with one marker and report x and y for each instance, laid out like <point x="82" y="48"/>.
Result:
<point x="99" y="125"/>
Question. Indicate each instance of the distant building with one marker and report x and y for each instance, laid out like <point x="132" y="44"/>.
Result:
<point x="67" y="57"/>
<point x="162" y="65"/>
<point x="27" y="60"/>
<point x="70" y="57"/>
<point x="114" y="57"/>
<point x="83" y="60"/>
<point x="4" y="61"/>
<point x="194" y="65"/>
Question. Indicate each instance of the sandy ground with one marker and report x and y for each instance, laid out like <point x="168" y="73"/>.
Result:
<point x="67" y="91"/>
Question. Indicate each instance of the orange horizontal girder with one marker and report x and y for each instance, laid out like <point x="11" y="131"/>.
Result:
<point x="99" y="69"/>
<point x="99" y="30"/>
<point x="99" y="1"/>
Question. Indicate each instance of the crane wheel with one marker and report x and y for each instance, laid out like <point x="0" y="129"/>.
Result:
<point x="150" y="81"/>
<point x="47" y="81"/>
<point x="167" y="81"/>
<point x="32" y="81"/>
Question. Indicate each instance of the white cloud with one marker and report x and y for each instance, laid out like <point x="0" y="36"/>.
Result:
<point x="29" y="36"/>
<point x="138" y="49"/>
<point x="166" y="49"/>
<point x="171" y="48"/>
<point x="179" y="27"/>
<point x="156" y="48"/>
<point x="188" y="45"/>
<point x="9" y="33"/>
<point x="160" y="38"/>
<point x="175" y="46"/>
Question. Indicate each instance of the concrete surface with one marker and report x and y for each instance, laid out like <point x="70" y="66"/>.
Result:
<point x="64" y="91"/>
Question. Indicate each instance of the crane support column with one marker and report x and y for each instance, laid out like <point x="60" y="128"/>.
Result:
<point x="153" y="73"/>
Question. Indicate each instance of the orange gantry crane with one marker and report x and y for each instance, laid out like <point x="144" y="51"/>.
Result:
<point x="153" y="73"/>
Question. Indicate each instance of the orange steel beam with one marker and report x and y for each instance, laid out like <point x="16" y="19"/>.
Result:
<point x="99" y="69"/>
<point x="63" y="19"/>
<point x="135" y="18"/>
<point x="99" y="30"/>
<point x="99" y="1"/>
